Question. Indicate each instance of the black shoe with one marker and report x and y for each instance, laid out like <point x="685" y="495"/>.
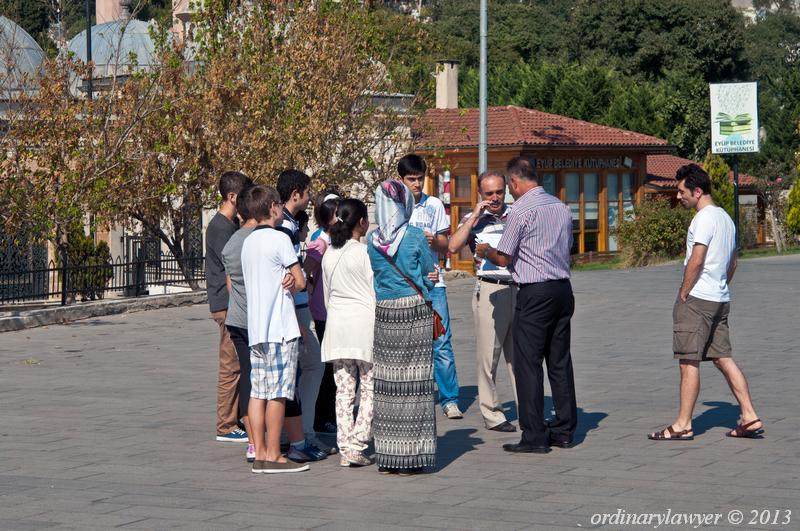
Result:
<point x="387" y="470"/>
<point x="411" y="471"/>
<point x="522" y="447"/>
<point x="560" y="444"/>
<point x="328" y="428"/>
<point x="505" y="426"/>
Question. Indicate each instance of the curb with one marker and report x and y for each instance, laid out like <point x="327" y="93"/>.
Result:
<point x="62" y="314"/>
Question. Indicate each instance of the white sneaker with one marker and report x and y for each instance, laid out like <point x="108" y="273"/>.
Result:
<point x="250" y="454"/>
<point x="451" y="411"/>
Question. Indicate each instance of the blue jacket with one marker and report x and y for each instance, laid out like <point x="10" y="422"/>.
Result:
<point x="413" y="259"/>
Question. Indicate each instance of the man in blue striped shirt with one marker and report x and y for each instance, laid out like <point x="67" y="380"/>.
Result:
<point x="535" y="247"/>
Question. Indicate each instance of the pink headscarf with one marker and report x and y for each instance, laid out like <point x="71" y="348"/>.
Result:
<point x="393" y="207"/>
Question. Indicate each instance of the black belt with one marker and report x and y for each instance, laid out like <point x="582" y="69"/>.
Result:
<point x="498" y="281"/>
<point x="549" y="285"/>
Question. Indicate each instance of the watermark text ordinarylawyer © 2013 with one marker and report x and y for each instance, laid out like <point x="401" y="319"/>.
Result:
<point x="735" y="517"/>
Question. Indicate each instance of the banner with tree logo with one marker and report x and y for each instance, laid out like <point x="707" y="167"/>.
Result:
<point x="734" y="118"/>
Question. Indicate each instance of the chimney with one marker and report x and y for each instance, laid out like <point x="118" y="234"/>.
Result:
<point x="447" y="84"/>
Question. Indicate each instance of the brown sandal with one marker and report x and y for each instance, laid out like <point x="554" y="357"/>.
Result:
<point x="742" y="431"/>
<point x="673" y="435"/>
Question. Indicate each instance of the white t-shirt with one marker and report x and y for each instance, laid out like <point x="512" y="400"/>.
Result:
<point x="712" y="227"/>
<point x="267" y="255"/>
<point x="429" y="215"/>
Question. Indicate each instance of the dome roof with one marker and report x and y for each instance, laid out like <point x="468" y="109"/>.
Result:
<point x="26" y="58"/>
<point x="112" y="45"/>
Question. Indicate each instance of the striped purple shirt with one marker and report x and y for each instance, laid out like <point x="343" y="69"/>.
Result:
<point x="538" y="236"/>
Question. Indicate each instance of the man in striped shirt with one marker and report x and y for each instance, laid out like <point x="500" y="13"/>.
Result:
<point x="535" y="247"/>
<point x="494" y="298"/>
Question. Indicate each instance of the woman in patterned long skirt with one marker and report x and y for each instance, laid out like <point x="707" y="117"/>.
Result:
<point x="404" y="425"/>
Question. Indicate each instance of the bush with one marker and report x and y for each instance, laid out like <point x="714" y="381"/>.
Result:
<point x="82" y="251"/>
<point x="653" y="233"/>
<point x="748" y="226"/>
<point x="793" y="215"/>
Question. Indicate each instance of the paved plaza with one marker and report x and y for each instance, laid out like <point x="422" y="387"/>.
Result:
<point x="110" y="423"/>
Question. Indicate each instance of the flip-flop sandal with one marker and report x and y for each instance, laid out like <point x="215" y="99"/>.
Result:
<point x="742" y="431"/>
<point x="673" y="435"/>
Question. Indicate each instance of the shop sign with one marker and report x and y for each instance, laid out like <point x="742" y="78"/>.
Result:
<point x="734" y="118"/>
<point x="568" y="164"/>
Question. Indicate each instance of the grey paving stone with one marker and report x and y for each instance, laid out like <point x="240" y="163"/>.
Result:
<point x="121" y="431"/>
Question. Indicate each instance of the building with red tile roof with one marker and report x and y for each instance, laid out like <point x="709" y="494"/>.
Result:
<point x="518" y="126"/>
<point x="598" y="171"/>
<point x="662" y="168"/>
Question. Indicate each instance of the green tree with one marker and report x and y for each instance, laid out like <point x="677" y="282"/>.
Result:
<point x="93" y="260"/>
<point x="651" y="37"/>
<point x="772" y="181"/>
<point x="772" y="45"/>
<point x="793" y="213"/>
<point x="516" y="30"/>
<point x="721" y="186"/>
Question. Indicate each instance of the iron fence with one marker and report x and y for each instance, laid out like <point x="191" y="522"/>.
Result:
<point x="132" y="278"/>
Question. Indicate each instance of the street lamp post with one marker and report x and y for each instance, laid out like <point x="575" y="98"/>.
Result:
<point x="89" y="48"/>
<point x="482" y="134"/>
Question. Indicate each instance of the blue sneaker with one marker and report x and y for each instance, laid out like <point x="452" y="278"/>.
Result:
<point x="309" y="453"/>
<point x="237" y="435"/>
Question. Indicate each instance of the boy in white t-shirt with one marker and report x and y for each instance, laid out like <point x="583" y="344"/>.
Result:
<point x="272" y="328"/>
<point x="700" y="314"/>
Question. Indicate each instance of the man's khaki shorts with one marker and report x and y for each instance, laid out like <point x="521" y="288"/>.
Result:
<point x="700" y="329"/>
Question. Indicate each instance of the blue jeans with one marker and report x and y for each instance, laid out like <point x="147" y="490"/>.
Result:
<point x="443" y="361"/>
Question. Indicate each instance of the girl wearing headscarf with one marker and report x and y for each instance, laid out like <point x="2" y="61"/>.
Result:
<point x="404" y="424"/>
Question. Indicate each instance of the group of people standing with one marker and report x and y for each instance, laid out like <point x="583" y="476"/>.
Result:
<point x="363" y="310"/>
<point x="376" y="314"/>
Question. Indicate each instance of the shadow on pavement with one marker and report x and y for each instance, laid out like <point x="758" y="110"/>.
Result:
<point x="721" y="414"/>
<point x="453" y="444"/>
<point x="467" y="395"/>
<point x="586" y="421"/>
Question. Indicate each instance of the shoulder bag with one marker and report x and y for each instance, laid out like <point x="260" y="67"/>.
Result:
<point x="438" y="326"/>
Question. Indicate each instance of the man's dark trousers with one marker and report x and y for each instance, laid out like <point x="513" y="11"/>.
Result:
<point x="542" y="333"/>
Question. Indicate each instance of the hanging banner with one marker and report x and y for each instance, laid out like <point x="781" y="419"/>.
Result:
<point x="734" y="118"/>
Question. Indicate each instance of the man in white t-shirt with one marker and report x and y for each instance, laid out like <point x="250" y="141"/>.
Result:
<point x="700" y="315"/>
<point x="430" y="216"/>
<point x="272" y="329"/>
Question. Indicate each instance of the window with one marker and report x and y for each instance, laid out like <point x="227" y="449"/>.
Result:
<point x="612" y="197"/>
<point x="620" y="192"/>
<point x="462" y="186"/>
<point x="572" y="192"/>
<point x="549" y="183"/>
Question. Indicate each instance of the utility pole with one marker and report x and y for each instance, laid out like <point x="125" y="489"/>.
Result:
<point x="89" y="48"/>
<point x="482" y="163"/>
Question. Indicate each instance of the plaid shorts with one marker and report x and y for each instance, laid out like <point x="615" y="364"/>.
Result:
<point x="272" y="370"/>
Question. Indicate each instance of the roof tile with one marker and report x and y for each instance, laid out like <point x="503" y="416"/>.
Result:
<point x="515" y="126"/>
<point x="661" y="170"/>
